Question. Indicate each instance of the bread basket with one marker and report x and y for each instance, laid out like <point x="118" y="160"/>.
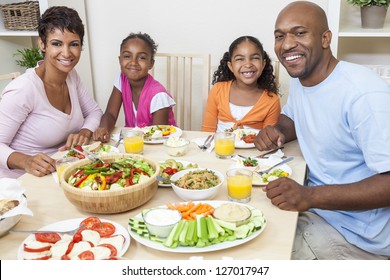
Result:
<point x="110" y="201"/>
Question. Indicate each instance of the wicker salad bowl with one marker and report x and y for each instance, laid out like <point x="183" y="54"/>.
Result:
<point x="110" y="201"/>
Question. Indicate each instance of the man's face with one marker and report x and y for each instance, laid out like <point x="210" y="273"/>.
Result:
<point x="298" y="43"/>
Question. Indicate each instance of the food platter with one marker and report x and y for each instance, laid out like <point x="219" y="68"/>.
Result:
<point x="187" y="249"/>
<point x="184" y="162"/>
<point x="72" y="224"/>
<point x="240" y="144"/>
<point x="264" y="163"/>
<point x="160" y="139"/>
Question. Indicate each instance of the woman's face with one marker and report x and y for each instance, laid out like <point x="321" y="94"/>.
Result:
<point x="136" y="59"/>
<point x="246" y="63"/>
<point x="62" y="50"/>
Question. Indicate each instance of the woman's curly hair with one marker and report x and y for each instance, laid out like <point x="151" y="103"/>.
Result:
<point x="267" y="78"/>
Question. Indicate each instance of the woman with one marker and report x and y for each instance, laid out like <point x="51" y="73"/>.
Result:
<point x="47" y="108"/>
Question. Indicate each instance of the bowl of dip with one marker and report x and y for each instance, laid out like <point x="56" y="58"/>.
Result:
<point x="160" y="221"/>
<point x="233" y="213"/>
<point x="176" y="146"/>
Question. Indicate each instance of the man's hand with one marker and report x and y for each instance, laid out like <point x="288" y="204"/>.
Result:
<point x="269" y="138"/>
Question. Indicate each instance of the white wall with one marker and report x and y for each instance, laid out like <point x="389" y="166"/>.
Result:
<point x="184" y="26"/>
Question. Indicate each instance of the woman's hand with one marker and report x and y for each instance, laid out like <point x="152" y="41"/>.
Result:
<point x="40" y="165"/>
<point x="101" y="134"/>
<point x="81" y="138"/>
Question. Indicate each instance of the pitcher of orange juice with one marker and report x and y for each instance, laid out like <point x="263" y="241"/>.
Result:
<point x="224" y="144"/>
<point x="133" y="141"/>
<point x="239" y="183"/>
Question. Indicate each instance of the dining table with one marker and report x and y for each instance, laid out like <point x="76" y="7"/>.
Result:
<point x="49" y="205"/>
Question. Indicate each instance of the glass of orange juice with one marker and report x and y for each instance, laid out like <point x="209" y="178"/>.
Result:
<point x="62" y="164"/>
<point x="133" y="140"/>
<point x="239" y="183"/>
<point x="224" y="144"/>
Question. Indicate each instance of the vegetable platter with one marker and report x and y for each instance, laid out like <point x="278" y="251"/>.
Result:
<point x="202" y="234"/>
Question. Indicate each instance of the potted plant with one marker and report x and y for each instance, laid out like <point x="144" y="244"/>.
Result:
<point x="29" y="57"/>
<point x="373" y="12"/>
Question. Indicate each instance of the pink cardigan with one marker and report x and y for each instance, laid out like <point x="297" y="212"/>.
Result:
<point x="144" y="117"/>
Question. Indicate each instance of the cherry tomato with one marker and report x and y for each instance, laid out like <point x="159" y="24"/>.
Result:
<point x="112" y="248"/>
<point x="89" y="222"/>
<point x="49" y="237"/>
<point x="86" y="255"/>
<point x="104" y="229"/>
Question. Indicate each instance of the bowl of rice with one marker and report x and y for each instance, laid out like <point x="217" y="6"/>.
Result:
<point x="197" y="183"/>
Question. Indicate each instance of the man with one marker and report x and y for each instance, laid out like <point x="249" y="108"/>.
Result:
<point x="340" y="114"/>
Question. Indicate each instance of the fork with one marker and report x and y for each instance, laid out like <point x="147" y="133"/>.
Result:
<point x="273" y="166"/>
<point x="92" y="155"/>
<point x="70" y="232"/>
<point x="120" y="139"/>
<point x="203" y="147"/>
<point x="207" y="145"/>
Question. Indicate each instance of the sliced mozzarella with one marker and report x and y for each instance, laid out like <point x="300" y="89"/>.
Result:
<point x="116" y="240"/>
<point x="101" y="253"/>
<point x="34" y="256"/>
<point x="59" y="249"/>
<point x="78" y="248"/>
<point x="91" y="235"/>
<point x="36" y="245"/>
<point x="67" y="237"/>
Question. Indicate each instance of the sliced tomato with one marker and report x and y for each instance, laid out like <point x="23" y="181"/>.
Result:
<point x="86" y="255"/>
<point x="65" y="257"/>
<point x="77" y="237"/>
<point x="36" y="250"/>
<point x="112" y="248"/>
<point x="49" y="237"/>
<point x="89" y="222"/>
<point x="70" y="247"/>
<point x="104" y="229"/>
<point x="43" y="258"/>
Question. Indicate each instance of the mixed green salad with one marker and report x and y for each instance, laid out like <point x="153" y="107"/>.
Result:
<point x="121" y="173"/>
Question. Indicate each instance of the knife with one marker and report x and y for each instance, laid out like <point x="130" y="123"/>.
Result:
<point x="269" y="152"/>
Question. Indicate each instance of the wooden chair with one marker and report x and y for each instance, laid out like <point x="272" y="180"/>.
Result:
<point x="187" y="78"/>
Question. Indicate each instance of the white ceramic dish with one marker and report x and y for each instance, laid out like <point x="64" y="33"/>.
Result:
<point x="184" y="162"/>
<point x="74" y="223"/>
<point x="190" y="194"/>
<point x="161" y="140"/>
<point x="185" y="249"/>
<point x="264" y="164"/>
<point x="240" y="144"/>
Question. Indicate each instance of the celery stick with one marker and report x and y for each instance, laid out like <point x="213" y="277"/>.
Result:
<point x="190" y="232"/>
<point x="201" y="227"/>
<point x="183" y="233"/>
<point x="178" y="231"/>
<point x="169" y="241"/>
<point x="220" y="230"/>
<point x="212" y="231"/>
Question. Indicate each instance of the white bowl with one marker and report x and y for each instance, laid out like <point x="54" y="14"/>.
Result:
<point x="190" y="194"/>
<point x="160" y="221"/>
<point x="176" y="147"/>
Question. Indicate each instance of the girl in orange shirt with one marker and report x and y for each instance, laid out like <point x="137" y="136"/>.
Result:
<point x="245" y="94"/>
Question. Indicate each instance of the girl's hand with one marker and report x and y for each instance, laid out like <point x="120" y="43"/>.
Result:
<point x="101" y="134"/>
<point x="81" y="138"/>
<point x="39" y="165"/>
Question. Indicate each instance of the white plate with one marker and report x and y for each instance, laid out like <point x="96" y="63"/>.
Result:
<point x="192" y="249"/>
<point x="161" y="140"/>
<point x="240" y="143"/>
<point x="264" y="164"/>
<point x="74" y="223"/>
<point x="184" y="162"/>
